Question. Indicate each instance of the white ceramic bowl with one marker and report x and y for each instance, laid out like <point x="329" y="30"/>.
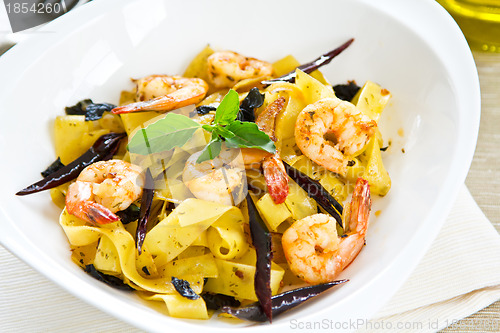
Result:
<point x="414" y="49"/>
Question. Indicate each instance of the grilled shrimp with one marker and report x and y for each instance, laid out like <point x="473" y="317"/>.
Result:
<point x="272" y="165"/>
<point x="312" y="248"/>
<point x="273" y="170"/>
<point x="226" y="68"/>
<point x="330" y="130"/>
<point x="219" y="180"/>
<point x="266" y="121"/>
<point x="104" y="188"/>
<point x="165" y="93"/>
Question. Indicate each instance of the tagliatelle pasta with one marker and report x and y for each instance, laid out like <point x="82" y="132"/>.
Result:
<point x="187" y="223"/>
<point x="81" y="234"/>
<point x="236" y="277"/>
<point x="185" y="235"/>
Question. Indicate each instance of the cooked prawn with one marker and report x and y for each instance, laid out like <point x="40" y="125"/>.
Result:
<point x="349" y="129"/>
<point x="312" y="248"/>
<point x="104" y="188"/>
<point x="273" y="170"/>
<point x="220" y="179"/>
<point x="266" y="121"/>
<point x="165" y="93"/>
<point x="226" y="68"/>
<point x="272" y="165"/>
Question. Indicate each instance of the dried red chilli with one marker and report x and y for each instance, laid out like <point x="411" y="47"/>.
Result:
<point x="217" y="301"/>
<point x="53" y="167"/>
<point x="313" y="65"/>
<point x="261" y="239"/>
<point x="280" y="303"/>
<point x="317" y="192"/>
<point x="146" y="201"/>
<point x="103" y="149"/>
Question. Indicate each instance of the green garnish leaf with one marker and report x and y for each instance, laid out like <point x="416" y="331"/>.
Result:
<point x="211" y="151"/>
<point x="223" y="132"/>
<point x="228" y="109"/>
<point x="248" y="135"/>
<point x="174" y="130"/>
<point x="208" y="128"/>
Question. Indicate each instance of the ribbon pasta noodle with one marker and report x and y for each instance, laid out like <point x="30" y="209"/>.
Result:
<point x="202" y="241"/>
<point x="116" y="252"/>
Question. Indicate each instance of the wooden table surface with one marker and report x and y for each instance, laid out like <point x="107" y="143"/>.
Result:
<point x="483" y="179"/>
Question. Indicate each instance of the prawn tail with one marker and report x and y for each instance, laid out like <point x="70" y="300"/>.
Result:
<point x="162" y="103"/>
<point x="360" y="206"/>
<point x="180" y="98"/>
<point x="276" y="179"/>
<point x="100" y="214"/>
<point x="94" y="213"/>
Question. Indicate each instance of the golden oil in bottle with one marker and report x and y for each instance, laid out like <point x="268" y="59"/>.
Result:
<point x="479" y="21"/>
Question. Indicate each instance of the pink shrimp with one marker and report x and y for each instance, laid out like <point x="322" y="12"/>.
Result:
<point x="165" y="93"/>
<point x="312" y="248"/>
<point x="102" y="189"/>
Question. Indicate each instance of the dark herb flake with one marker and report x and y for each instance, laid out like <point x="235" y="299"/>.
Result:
<point x="253" y="100"/>
<point x="184" y="289"/>
<point x="130" y="214"/>
<point x="203" y="109"/>
<point x="89" y="109"/>
<point x="78" y="109"/>
<point x="110" y="280"/>
<point x="347" y="91"/>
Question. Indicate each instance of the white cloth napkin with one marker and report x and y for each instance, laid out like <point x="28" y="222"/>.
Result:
<point x="458" y="276"/>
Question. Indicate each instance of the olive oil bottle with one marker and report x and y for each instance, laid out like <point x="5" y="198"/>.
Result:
<point x="479" y="21"/>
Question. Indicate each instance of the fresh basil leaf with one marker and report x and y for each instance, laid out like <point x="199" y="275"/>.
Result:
<point x="248" y="135"/>
<point x="218" y="130"/>
<point x="228" y="108"/>
<point x="211" y="151"/>
<point x="223" y="132"/>
<point x="174" y="130"/>
<point x="208" y="128"/>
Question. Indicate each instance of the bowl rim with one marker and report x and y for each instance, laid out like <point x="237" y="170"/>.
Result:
<point x="402" y="265"/>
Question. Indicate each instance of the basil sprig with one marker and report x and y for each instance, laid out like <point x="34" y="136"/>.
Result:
<point x="174" y="130"/>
